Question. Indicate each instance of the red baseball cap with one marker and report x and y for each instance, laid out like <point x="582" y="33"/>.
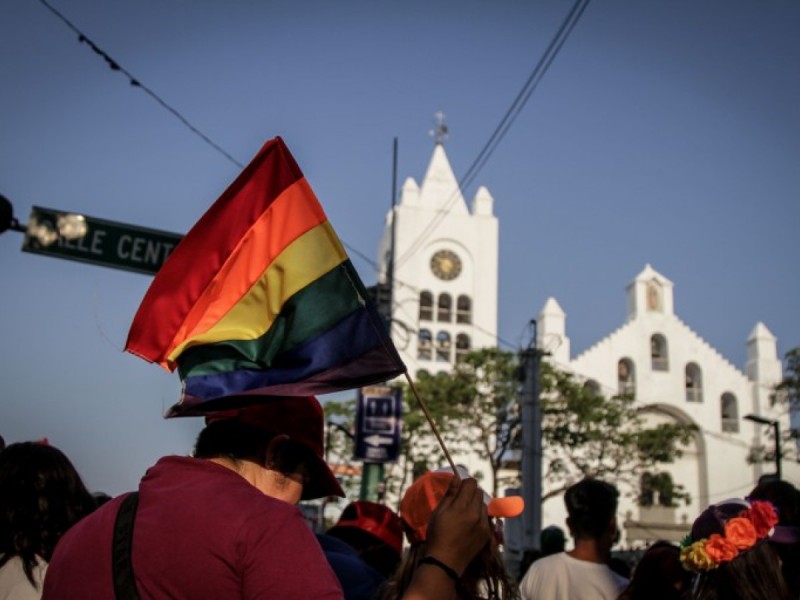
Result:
<point x="376" y="519"/>
<point x="301" y="419"/>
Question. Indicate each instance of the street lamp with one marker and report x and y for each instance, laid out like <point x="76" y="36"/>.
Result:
<point x="774" y="423"/>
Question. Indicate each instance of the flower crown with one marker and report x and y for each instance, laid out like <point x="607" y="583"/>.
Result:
<point x="741" y="533"/>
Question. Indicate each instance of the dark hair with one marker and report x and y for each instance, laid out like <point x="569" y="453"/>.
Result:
<point x="786" y="499"/>
<point x="378" y="555"/>
<point x="591" y="506"/>
<point x="783" y="496"/>
<point x="658" y="575"/>
<point x="41" y="497"/>
<point x="485" y="577"/>
<point x="752" y="575"/>
<point x="233" y="439"/>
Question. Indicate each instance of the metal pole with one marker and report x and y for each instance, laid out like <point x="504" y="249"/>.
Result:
<point x="393" y="234"/>
<point x="777" y="427"/>
<point x="531" y="420"/>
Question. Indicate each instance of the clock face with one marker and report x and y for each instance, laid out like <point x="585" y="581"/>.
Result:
<point x="446" y="265"/>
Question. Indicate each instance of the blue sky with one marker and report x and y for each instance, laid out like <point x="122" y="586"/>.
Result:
<point x="664" y="132"/>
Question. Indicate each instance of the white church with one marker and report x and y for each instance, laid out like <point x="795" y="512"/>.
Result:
<point x="445" y="303"/>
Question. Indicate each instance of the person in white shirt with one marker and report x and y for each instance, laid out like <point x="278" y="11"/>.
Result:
<point x="41" y="497"/>
<point x="581" y="573"/>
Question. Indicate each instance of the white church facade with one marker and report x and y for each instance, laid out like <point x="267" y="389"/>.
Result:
<point x="676" y="376"/>
<point x="444" y="270"/>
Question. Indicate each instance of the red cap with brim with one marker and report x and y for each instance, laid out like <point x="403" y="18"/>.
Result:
<point x="301" y="419"/>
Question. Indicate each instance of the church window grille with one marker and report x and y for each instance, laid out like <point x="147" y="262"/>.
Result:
<point x="729" y="410"/>
<point x="464" y="310"/>
<point x="445" y="312"/>
<point x="658" y="353"/>
<point x="443" y="346"/>
<point x="694" y="383"/>
<point x="656" y="489"/>
<point x="592" y="388"/>
<point x="462" y="346"/>
<point x="426" y="306"/>
<point x="626" y="377"/>
<point x="424" y="344"/>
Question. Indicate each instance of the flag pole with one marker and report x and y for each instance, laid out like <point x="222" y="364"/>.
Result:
<point x="432" y="424"/>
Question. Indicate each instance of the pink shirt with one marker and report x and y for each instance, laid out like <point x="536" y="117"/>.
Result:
<point x="201" y="531"/>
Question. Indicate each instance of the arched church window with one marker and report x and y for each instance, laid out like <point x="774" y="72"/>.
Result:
<point x="658" y="352"/>
<point x="445" y="312"/>
<point x="443" y="346"/>
<point x="592" y="387"/>
<point x="426" y="306"/>
<point x="656" y="488"/>
<point x="464" y="310"/>
<point x="626" y="377"/>
<point x="424" y="344"/>
<point x="647" y="492"/>
<point x="654" y="296"/>
<point x="462" y="346"/>
<point x="729" y="410"/>
<point x="694" y="383"/>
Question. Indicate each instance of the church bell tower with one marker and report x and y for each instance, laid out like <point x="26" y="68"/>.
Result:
<point x="443" y="267"/>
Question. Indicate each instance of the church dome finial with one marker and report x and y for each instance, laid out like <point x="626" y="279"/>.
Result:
<point x="440" y="131"/>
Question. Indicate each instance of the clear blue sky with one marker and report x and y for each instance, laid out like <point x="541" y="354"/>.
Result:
<point x="664" y="132"/>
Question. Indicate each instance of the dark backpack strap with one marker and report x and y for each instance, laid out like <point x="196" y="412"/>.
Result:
<point x="121" y="559"/>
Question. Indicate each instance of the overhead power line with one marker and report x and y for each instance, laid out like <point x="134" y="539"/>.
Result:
<point x="506" y="122"/>
<point x="115" y="66"/>
<point x="483" y="156"/>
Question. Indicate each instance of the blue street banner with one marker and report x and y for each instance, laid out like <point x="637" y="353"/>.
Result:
<point x="379" y="414"/>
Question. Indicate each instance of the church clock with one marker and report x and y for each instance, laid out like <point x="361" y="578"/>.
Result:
<point x="446" y="265"/>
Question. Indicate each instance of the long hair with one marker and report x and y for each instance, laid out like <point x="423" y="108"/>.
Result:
<point x="485" y="578"/>
<point x="752" y="575"/>
<point x="41" y="496"/>
<point x="658" y="575"/>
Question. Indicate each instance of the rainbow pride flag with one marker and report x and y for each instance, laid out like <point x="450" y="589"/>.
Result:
<point x="261" y="298"/>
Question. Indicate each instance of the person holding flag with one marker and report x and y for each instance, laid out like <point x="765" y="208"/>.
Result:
<point x="223" y="523"/>
<point x="259" y="309"/>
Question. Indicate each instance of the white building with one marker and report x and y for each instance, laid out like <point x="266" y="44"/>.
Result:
<point x="445" y="274"/>
<point x="676" y="376"/>
<point x="445" y="301"/>
<point x="445" y="269"/>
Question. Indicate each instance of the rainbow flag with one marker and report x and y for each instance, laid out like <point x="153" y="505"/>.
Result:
<point x="261" y="298"/>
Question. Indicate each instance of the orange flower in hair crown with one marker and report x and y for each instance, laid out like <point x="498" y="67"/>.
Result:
<point x="740" y="531"/>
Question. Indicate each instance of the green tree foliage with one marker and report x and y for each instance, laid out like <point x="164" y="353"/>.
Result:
<point x="476" y="409"/>
<point x="786" y="395"/>
<point x="787" y="392"/>
<point x="469" y="407"/>
<point x="586" y="434"/>
<point x="339" y="450"/>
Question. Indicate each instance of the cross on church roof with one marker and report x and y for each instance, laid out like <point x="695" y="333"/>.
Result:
<point x="440" y="133"/>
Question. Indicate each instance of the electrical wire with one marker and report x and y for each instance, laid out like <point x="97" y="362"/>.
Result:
<point x="115" y="66"/>
<point x="541" y="68"/>
<point x="505" y="123"/>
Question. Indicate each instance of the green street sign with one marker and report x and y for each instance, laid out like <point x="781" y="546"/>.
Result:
<point x="86" y="239"/>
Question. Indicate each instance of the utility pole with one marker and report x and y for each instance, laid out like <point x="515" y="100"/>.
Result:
<point x="531" y="421"/>
<point x="373" y="473"/>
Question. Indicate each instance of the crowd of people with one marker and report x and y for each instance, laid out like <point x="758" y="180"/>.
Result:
<point x="223" y="523"/>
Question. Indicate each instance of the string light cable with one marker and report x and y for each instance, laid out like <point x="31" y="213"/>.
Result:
<point x="135" y="82"/>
